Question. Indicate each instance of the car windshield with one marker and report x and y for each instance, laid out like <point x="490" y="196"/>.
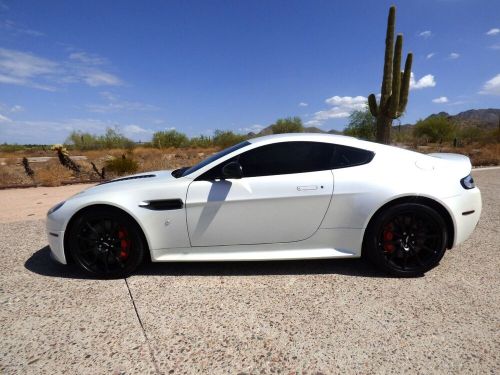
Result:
<point x="211" y="159"/>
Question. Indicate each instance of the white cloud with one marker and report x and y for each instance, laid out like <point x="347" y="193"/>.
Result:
<point x="342" y="106"/>
<point x="22" y="65"/>
<point x="495" y="46"/>
<point x="87" y="58"/>
<point x="256" y="128"/>
<point x="17" y="108"/>
<point x="26" y="69"/>
<point x="454" y="55"/>
<point x="425" y="34"/>
<point x="424" y="82"/>
<point x="303" y="104"/>
<point x="4" y="118"/>
<point x="135" y="132"/>
<point x="492" y="86"/>
<point x="114" y="104"/>
<point x="15" y="29"/>
<point x="14" y="109"/>
<point x="50" y="132"/>
<point x="493" y="31"/>
<point x="97" y="77"/>
<point x="440" y="100"/>
<point x="430" y="55"/>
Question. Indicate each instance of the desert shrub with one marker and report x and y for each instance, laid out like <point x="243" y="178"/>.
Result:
<point x="202" y="141"/>
<point x="122" y="165"/>
<point x="170" y="138"/>
<point x="112" y="138"/>
<point x="434" y="129"/>
<point x="288" y="125"/>
<point x="226" y="138"/>
<point x="361" y="125"/>
<point x="10" y="175"/>
<point x="51" y="174"/>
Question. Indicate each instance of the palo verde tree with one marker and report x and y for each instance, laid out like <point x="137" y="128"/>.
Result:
<point x="395" y="84"/>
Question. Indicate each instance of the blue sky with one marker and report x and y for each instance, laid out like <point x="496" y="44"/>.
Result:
<point x="197" y="66"/>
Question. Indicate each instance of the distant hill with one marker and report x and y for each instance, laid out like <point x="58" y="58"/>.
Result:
<point x="484" y="118"/>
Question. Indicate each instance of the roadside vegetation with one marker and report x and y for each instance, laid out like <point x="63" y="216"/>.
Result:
<point x="89" y="157"/>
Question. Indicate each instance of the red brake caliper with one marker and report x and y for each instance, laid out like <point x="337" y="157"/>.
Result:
<point x="388" y="236"/>
<point x="124" y="243"/>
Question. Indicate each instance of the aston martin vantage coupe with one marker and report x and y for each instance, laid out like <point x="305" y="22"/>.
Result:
<point x="288" y="196"/>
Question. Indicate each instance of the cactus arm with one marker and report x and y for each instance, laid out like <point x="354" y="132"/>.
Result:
<point x="396" y="78"/>
<point x="405" y="84"/>
<point x="389" y="51"/>
<point x="372" y="104"/>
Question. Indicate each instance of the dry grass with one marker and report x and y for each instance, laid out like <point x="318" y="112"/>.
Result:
<point x="51" y="173"/>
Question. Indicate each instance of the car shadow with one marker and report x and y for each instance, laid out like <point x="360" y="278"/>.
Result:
<point x="41" y="263"/>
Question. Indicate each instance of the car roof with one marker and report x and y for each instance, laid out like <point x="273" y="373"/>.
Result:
<point x="316" y="137"/>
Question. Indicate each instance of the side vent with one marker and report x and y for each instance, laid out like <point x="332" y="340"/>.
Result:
<point x="162" y="205"/>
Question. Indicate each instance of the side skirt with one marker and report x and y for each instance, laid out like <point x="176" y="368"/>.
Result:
<point x="324" y="244"/>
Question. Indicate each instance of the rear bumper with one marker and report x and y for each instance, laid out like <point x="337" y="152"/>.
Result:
<point x="466" y="209"/>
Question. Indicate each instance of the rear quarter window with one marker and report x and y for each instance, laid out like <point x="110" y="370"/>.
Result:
<point x="345" y="156"/>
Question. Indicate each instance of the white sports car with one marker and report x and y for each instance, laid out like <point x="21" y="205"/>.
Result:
<point x="289" y="196"/>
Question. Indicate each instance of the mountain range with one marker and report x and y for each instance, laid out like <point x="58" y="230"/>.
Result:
<point x="488" y="118"/>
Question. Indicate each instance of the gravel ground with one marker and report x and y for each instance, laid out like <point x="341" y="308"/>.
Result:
<point x="276" y="317"/>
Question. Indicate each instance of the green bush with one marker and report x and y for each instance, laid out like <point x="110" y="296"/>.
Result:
<point x="226" y="138"/>
<point x="361" y="125"/>
<point x="201" y="141"/>
<point x="288" y="125"/>
<point x="435" y="129"/>
<point x="86" y="141"/>
<point x="121" y="166"/>
<point x="170" y="138"/>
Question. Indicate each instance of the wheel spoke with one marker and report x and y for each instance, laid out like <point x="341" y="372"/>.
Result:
<point x="91" y="228"/>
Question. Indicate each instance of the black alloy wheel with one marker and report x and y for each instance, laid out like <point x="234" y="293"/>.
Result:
<point x="106" y="243"/>
<point x="407" y="239"/>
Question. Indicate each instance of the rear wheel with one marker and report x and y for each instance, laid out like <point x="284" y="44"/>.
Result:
<point x="407" y="239"/>
<point x="106" y="243"/>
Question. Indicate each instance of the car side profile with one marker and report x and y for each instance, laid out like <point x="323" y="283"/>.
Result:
<point x="287" y="196"/>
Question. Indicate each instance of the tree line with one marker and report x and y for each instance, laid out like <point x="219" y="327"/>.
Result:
<point x="114" y="139"/>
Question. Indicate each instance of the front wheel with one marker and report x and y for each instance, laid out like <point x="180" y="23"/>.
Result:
<point x="406" y="239"/>
<point x="106" y="243"/>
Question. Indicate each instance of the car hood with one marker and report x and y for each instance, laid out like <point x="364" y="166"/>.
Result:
<point x="136" y="181"/>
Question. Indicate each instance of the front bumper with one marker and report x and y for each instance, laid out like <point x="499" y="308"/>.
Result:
<point x="56" y="244"/>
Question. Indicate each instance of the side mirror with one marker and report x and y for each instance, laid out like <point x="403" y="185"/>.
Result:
<point x="232" y="170"/>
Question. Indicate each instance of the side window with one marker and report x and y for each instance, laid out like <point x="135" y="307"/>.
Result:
<point x="286" y="158"/>
<point x="345" y="156"/>
<point x="294" y="157"/>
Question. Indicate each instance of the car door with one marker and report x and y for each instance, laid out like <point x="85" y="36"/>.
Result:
<point x="283" y="196"/>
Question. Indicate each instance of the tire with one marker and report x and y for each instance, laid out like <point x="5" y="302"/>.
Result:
<point x="106" y="243"/>
<point x="406" y="240"/>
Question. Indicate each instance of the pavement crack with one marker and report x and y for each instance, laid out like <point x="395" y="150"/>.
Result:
<point x="148" y="343"/>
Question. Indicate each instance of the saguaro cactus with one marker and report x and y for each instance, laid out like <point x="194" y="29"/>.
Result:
<point x="395" y="84"/>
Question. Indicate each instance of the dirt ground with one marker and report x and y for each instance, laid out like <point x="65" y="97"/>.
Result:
<point x="33" y="203"/>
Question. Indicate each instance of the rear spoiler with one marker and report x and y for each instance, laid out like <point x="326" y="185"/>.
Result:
<point x="456" y="161"/>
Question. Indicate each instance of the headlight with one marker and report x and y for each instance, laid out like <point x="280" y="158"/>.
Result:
<point x="468" y="182"/>
<point x="55" y="208"/>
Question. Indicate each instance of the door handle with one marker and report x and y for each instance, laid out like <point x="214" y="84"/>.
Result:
<point x="307" y="187"/>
